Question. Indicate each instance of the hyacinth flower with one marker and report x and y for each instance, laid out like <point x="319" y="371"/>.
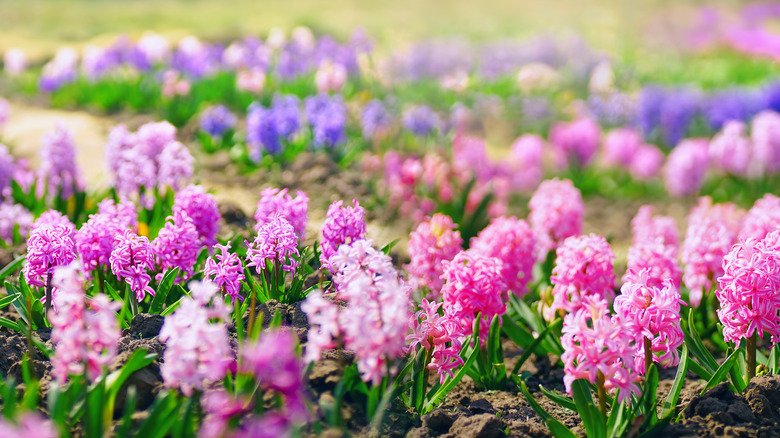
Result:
<point x="131" y="260"/>
<point x="95" y="241"/>
<point x="226" y="271"/>
<point x="196" y="339"/>
<point x="54" y="217"/>
<point x="749" y="294"/>
<point x="432" y="242"/>
<point x="375" y="320"/>
<point x="658" y="260"/>
<point x="575" y="144"/>
<point x="512" y="241"/>
<point x="177" y="246"/>
<point x="731" y="150"/>
<point x="686" y="167"/>
<point x="15" y="223"/>
<point x="441" y="336"/>
<point x="342" y="225"/>
<point x="420" y="120"/>
<point x="295" y="210"/>
<point x="583" y="272"/>
<point x="48" y="247"/>
<point x="557" y="212"/>
<point x="652" y="314"/>
<point x="59" y="174"/>
<point x="216" y="121"/>
<point x="762" y="218"/>
<point x="327" y="117"/>
<point x="27" y="425"/>
<point x="85" y="336"/>
<point x="202" y="209"/>
<point x="648" y="228"/>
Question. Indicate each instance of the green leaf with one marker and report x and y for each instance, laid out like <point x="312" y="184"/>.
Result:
<point x="720" y="374"/>
<point x="696" y="346"/>
<point x="670" y="404"/>
<point x="389" y="246"/>
<point x="13" y="325"/>
<point x="699" y="370"/>
<point x="560" y="400"/>
<point x="163" y="288"/>
<point x="11" y="268"/>
<point x="555" y="326"/>
<point x="556" y="428"/>
<point x="649" y="396"/>
<point x="589" y="412"/>
<point x="618" y="419"/>
<point x="450" y="383"/>
<point x="161" y="417"/>
<point x="736" y="373"/>
<point x="170" y="309"/>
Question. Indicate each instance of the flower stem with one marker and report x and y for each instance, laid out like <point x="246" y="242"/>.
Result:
<point x="602" y="395"/>
<point x="648" y="355"/>
<point x="47" y="304"/>
<point x="751" y="357"/>
<point x="252" y="306"/>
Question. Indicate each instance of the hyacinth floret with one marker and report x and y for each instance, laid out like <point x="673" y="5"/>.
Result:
<point x="432" y="242"/>
<point x="131" y="259"/>
<point x="177" y="245"/>
<point x="441" y="333"/>
<point x="659" y="260"/>
<point x="512" y="241"/>
<point x="342" y="225"/>
<point x="29" y="424"/>
<point x="48" y="247"/>
<point x="295" y="210"/>
<point x="225" y="269"/>
<point x="275" y="242"/>
<point x="54" y="217"/>
<point x="202" y="209"/>
<point x="557" y="212"/>
<point x="762" y="218"/>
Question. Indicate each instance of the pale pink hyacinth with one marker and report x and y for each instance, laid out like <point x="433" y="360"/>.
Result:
<point x="596" y="342"/>
<point x="686" y="167"/>
<point x="557" y="212"/>
<point x="648" y="228"/>
<point x="252" y="80"/>
<point x="620" y="146"/>
<point x="227" y="272"/>
<point x="155" y="47"/>
<point x="197" y="344"/>
<point x="730" y="150"/>
<point x="749" y="291"/>
<point x="131" y="260"/>
<point x="647" y="162"/>
<point x="474" y="284"/>
<point x="275" y="242"/>
<point x="583" y="270"/>
<point x="85" y="336"/>
<point x="512" y="241"/>
<point x="330" y="77"/>
<point x="342" y="225"/>
<point x="11" y="216"/>
<point x="525" y="162"/>
<point x="765" y="133"/>
<point x="762" y="219"/>
<point x="659" y="261"/>
<point x="295" y="210"/>
<point x="652" y="312"/>
<point x="712" y="230"/>
<point x="14" y="62"/>
<point x="177" y="246"/>
<point x="432" y="242"/>
<point x="5" y="113"/>
<point x="441" y="333"/>
<point x="323" y="317"/>
<point x="175" y="164"/>
<point x="29" y="424"/>
<point x="122" y="213"/>
<point x="174" y="84"/>
<point x="575" y="143"/>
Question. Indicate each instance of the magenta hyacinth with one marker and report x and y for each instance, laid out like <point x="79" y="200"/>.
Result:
<point x="647" y="163"/>
<point x="177" y="245"/>
<point x="59" y="170"/>
<point x="686" y="167"/>
<point x="197" y="345"/>
<point x="749" y="291"/>
<point x="557" y="212"/>
<point x="342" y="225"/>
<point x="652" y="312"/>
<point x="54" y="217"/>
<point x="525" y="162"/>
<point x="95" y="241"/>
<point x="762" y="219"/>
<point x="712" y="230"/>
<point x="131" y="260"/>
<point x="575" y="143"/>
<point x="11" y="216"/>
<point x="474" y="284"/>
<point x="442" y="333"/>
<point x="202" y="208"/>
<point x="48" y="247"/>
<point x="122" y="213"/>
<point x="512" y="241"/>
<point x="85" y="336"/>
<point x="620" y="145"/>
<point x="596" y="342"/>
<point x="583" y="269"/>
<point x="658" y="260"/>
<point x="765" y="133"/>
<point x="275" y="242"/>
<point x="434" y="241"/>
<point x="295" y="210"/>
<point x="226" y="271"/>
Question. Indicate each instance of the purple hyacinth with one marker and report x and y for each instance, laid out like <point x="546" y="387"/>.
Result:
<point x="328" y="119"/>
<point x="275" y="242"/>
<point x="131" y="260"/>
<point x="177" y="245"/>
<point x="122" y="213"/>
<point x="11" y="216"/>
<point x="374" y="118"/>
<point x="226" y="270"/>
<point x="48" y="247"/>
<point x="175" y="165"/>
<point x="420" y="120"/>
<point x="217" y="120"/>
<point x="6" y="169"/>
<point x="342" y="225"/>
<point x="262" y="133"/>
<point x="59" y="170"/>
<point x="295" y="210"/>
<point x="202" y="208"/>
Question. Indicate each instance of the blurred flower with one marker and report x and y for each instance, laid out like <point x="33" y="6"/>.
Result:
<point x="537" y="76"/>
<point x="59" y="171"/>
<point x="647" y="162"/>
<point x="251" y="80"/>
<point x="510" y="240"/>
<point x="620" y="146"/>
<point x="420" y="120"/>
<point x="762" y="219"/>
<point x="433" y="241"/>
<point x="217" y="120"/>
<point x="330" y="77"/>
<point x="574" y="143"/>
<point x="525" y="162"/>
<point x="375" y="119"/>
<point x="328" y="119"/>
<point x="557" y="212"/>
<point x="686" y="167"/>
<point x="765" y="133"/>
<point x="295" y="210"/>
<point x="12" y="216"/>
<point x="730" y="150"/>
<point x="28" y="424"/>
<point x="342" y="225"/>
<point x="14" y="62"/>
<point x="173" y="84"/>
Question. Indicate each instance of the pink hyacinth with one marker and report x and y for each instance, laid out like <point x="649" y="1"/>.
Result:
<point x="131" y="259"/>
<point x="525" y="162"/>
<point x="649" y="229"/>
<point x="227" y="274"/>
<point x="730" y="150"/>
<point x="595" y="342"/>
<point x="29" y="424"/>
<point x="360" y="258"/>
<point x="59" y="171"/>
<point x="620" y="146"/>
<point x="295" y="210"/>
<point x="95" y="241"/>
<point x="686" y="167"/>
<point x="275" y="242"/>
<point x="219" y="408"/>
<point x="442" y="333"/>
<point x="11" y="216"/>
<point x="122" y="213"/>
<point x="510" y="240"/>
<point x="434" y="241"/>
<point x="85" y="337"/>
<point x="557" y="212"/>
<point x="652" y="312"/>
<point x="197" y="345"/>
<point x="154" y="136"/>
<point x="323" y="317"/>
<point x="474" y="284"/>
<point x="342" y="225"/>
<point x="48" y="247"/>
<point x="765" y="133"/>
<point x="647" y="162"/>
<point x="202" y="208"/>
<point x="54" y="217"/>
<point x="657" y="260"/>
<point x="177" y="246"/>
<point x="712" y="230"/>
<point x="749" y="291"/>
<point x="762" y="219"/>
<point x="583" y="269"/>
<point x="175" y="164"/>
<point x="575" y="143"/>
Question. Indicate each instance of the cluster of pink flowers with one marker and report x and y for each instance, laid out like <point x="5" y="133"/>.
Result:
<point x="202" y="209"/>
<point x="59" y="171"/>
<point x="512" y="241"/>
<point x="659" y="260"/>
<point x="227" y="273"/>
<point x="375" y="320"/>
<point x="762" y="219"/>
<point x="730" y="150"/>
<point x="765" y="132"/>
<point x="177" y="245"/>
<point x="131" y="260"/>
<point x="295" y="210"/>
<point x="54" y="217"/>
<point x="95" y="239"/>
<point x="557" y="212"/>
<point x="197" y="345"/>
<point x="575" y="143"/>
<point x="342" y="225"/>
<point x="11" y="216"/>
<point x="624" y="147"/>
<point x="474" y="284"/>
<point x="434" y="241"/>
<point x="583" y="271"/>
<point x="275" y="242"/>
<point x="29" y="424"/>
<point x="48" y="247"/>
<point x="712" y="229"/>
<point x="441" y="333"/>
<point x="85" y="339"/>
<point x="648" y="228"/>
<point x="525" y="162"/>
<point x="652" y="312"/>
<point x="749" y="291"/>
<point x="595" y="342"/>
<point x="123" y="213"/>
<point x="686" y="167"/>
